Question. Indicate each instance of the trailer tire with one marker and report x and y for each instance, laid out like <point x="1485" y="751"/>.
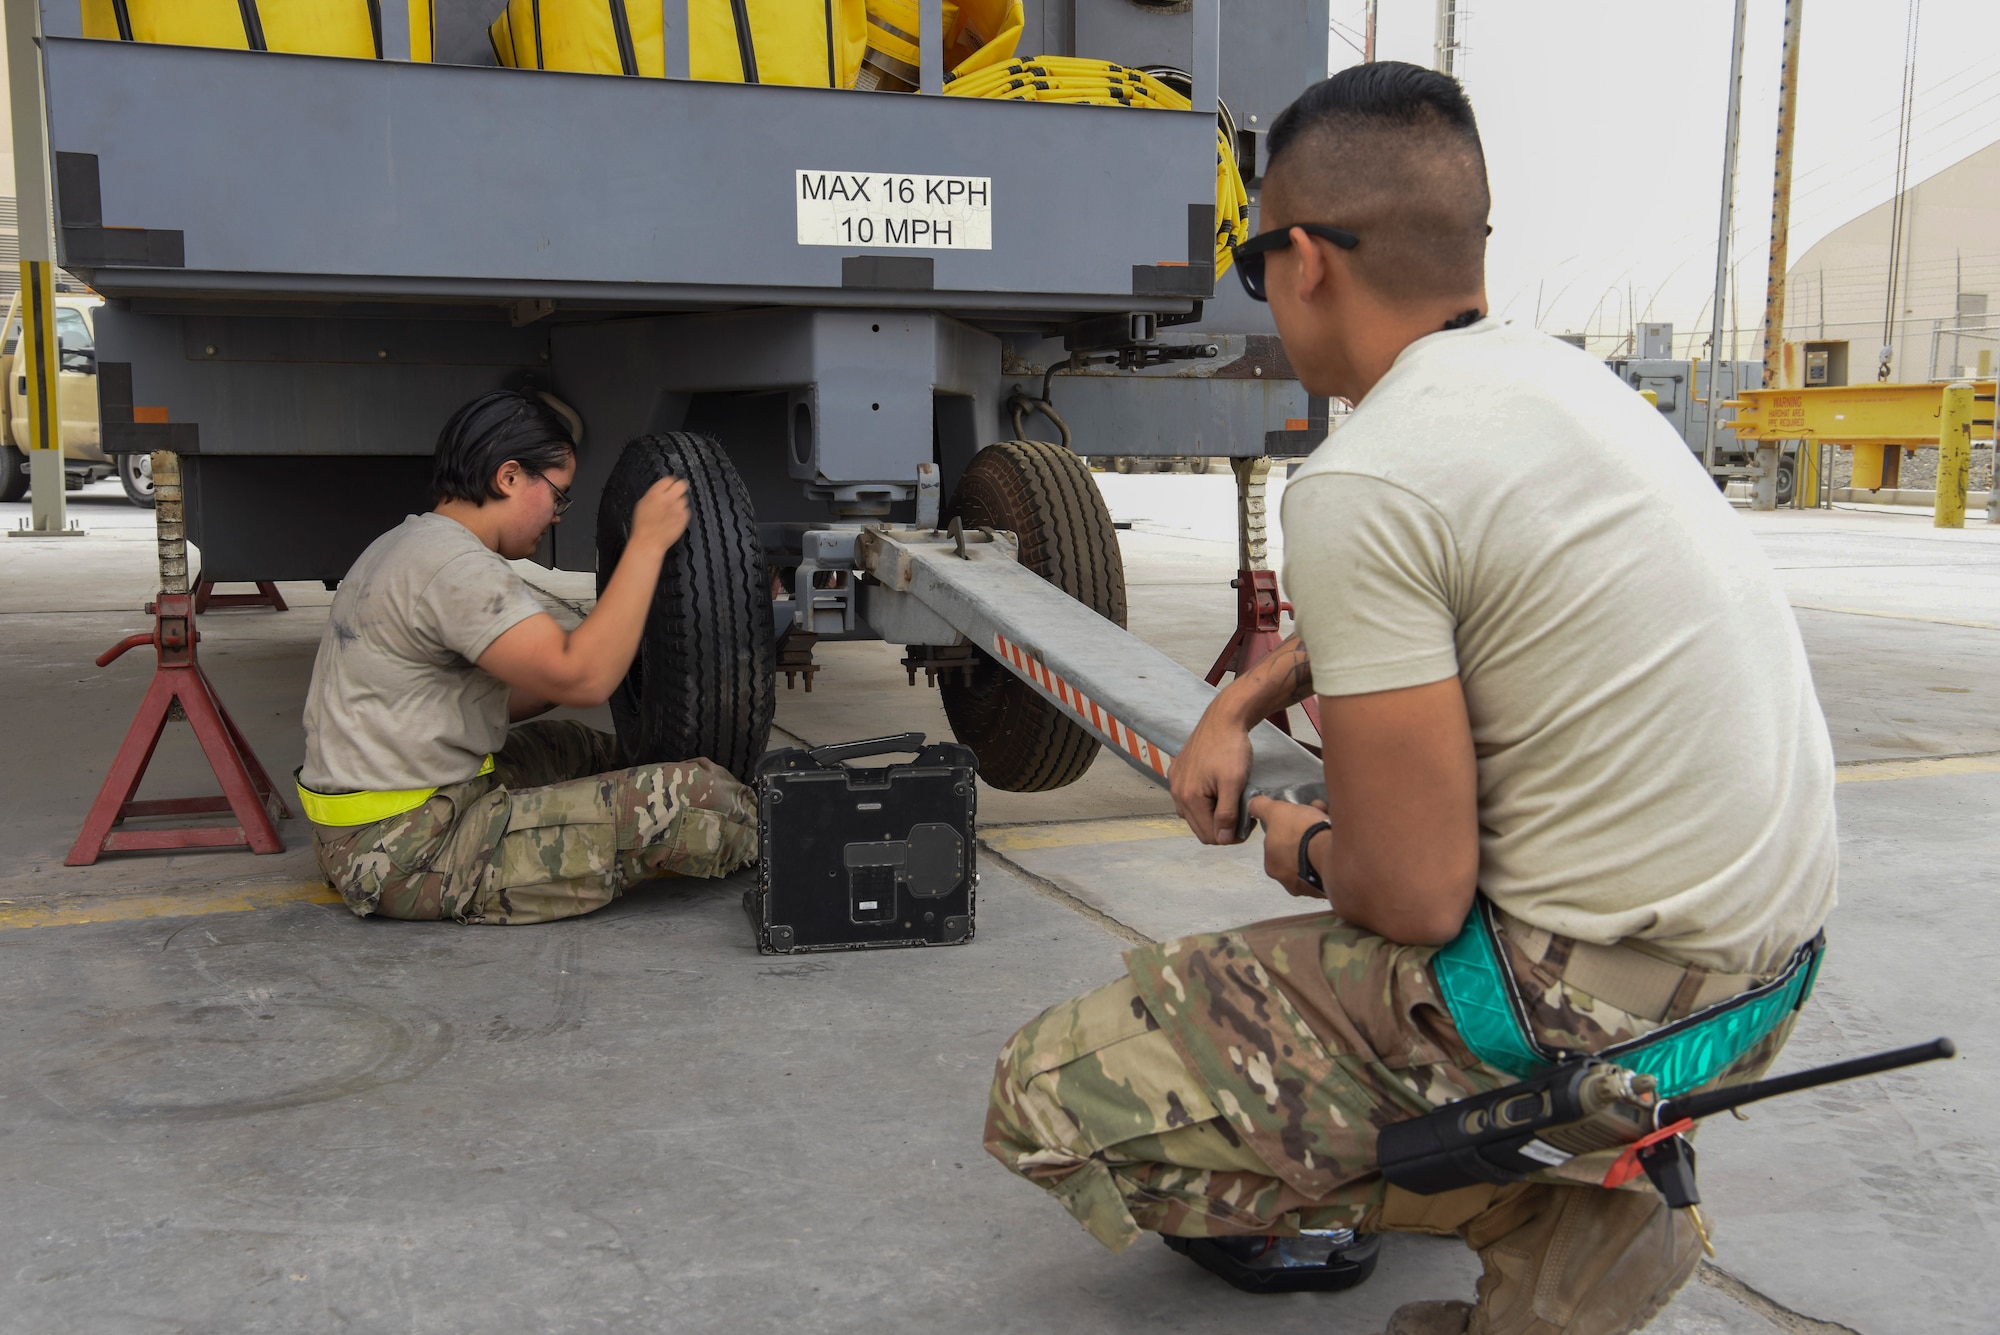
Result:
<point x="13" y="474"/>
<point x="703" y="682"/>
<point x="135" y="474"/>
<point x="1046" y="497"/>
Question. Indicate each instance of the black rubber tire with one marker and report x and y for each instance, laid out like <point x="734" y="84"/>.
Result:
<point x="13" y="474"/>
<point x="703" y="683"/>
<point x="1045" y="496"/>
<point x="135" y="474"/>
<point x="1788" y="480"/>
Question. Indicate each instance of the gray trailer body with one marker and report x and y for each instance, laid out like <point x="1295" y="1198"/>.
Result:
<point x="311" y="261"/>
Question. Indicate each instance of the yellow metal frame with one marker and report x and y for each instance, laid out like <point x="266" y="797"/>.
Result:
<point x="1881" y="414"/>
<point x="1869" y="419"/>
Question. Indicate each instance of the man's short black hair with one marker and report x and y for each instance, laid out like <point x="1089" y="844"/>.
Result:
<point x="1391" y="152"/>
<point x="483" y="435"/>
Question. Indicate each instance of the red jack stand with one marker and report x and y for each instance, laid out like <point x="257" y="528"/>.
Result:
<point x="179" y="690"/>
<point x="1258" y="607"/>
<point x="267" y="595"/>
<point x="1256" y="636"/>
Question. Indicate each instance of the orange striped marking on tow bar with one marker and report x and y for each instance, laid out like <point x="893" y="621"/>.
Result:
<point x="1103" y="720"/>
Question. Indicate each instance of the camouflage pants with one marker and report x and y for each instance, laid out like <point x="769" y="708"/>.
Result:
<point x="1233" y="1083"/>
<point x="557" y="829"/>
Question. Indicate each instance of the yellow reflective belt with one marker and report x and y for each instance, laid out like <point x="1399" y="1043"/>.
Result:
<point x="366" y="808"/>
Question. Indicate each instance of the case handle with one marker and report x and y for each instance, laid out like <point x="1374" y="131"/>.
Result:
<point x="873" y="746"/>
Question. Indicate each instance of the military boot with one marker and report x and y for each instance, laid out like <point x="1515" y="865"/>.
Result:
<point x="1578" y="1261"/>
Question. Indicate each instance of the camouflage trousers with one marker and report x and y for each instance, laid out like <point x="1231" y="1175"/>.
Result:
<point x="1234" y="1083"/>
<point x="557" y="829"/>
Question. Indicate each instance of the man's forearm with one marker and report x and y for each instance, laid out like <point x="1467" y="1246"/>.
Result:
<point x="1279" y="682"/>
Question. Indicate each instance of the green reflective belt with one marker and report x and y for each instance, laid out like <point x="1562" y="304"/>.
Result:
<point x="365" y="808"/>
<point x="1479" y="990"/>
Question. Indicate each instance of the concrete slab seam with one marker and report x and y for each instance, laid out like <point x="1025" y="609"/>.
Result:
<point x="1894" y="616"/>
<point x="1926" y="767"/>
<point x="1784" y="1318"/>
<point x="1048" y="889"/>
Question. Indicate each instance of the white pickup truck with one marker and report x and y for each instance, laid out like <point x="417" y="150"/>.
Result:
<point x="84" y="459"/>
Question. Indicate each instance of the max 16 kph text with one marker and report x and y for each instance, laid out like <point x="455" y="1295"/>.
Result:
<point x="887" y="210"/>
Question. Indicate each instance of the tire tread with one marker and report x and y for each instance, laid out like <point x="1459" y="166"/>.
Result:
<point x="1046" y="496"/>
<point x="703" y="682"/>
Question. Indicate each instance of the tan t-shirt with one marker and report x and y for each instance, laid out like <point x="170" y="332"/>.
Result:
<point x="1652" y="759"/>
<point x="396" y="699"/>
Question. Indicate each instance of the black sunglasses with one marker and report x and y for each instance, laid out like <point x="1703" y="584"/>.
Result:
<point x="1250" y="255"/>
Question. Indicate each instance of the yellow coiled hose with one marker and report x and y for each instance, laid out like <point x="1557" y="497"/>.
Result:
<point x="1103" y="83"/>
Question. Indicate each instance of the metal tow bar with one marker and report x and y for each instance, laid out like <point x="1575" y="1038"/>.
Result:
<point x="1139" y="702"/>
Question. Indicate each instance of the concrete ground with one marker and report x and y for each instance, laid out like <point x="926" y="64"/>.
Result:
<point x="226" y="1104"/>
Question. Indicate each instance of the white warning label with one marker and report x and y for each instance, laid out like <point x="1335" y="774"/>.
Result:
<point x="888" y="210"/>
<point x="1543" y="1152"/>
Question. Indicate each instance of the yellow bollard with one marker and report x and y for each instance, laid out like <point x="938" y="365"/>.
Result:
<point x="1954" y="455"/>
<point x="1805" y="475"/>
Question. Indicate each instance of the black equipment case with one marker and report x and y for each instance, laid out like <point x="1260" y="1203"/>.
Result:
<point x="854" y="858"/>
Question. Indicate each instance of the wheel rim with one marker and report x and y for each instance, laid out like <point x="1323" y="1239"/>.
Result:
<point x="139" y="472"/>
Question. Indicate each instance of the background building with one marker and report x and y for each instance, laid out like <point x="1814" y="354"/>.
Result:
<point x="1947" y="280"/>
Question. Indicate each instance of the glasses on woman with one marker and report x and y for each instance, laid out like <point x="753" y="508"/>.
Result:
<point x="563" y="500"/>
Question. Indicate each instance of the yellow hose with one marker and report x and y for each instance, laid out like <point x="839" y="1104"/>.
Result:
<point x="1106" y="84"/>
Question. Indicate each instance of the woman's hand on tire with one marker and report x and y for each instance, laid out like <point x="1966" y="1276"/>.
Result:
<point x="660" y="518"/>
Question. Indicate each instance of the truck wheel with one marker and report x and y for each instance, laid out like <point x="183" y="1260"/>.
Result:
<point x="135" y="474"/>
<point x="13" y="474"/>
<point x="1788" y="480"/>
<point x="1044" y="495"/>
<point x="703" y="683"/>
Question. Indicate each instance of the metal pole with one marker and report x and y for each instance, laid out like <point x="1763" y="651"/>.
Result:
<point x="1807" y="464"/>
<point x="930" y="46"/>
<point x="1445" y="46"/>
<point x="1368" y="36"/>
<point x="1714" y="402"/>
<point x="37" y="357"/>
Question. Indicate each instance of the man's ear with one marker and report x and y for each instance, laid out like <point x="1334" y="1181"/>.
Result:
<point x="1317" y="270"/>
<point x="1312" y="273"/>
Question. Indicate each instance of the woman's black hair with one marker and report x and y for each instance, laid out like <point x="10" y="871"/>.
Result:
<point x="483" y="435"/>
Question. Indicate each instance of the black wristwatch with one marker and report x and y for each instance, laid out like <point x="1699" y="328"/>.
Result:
<point x="1307" y="872"/>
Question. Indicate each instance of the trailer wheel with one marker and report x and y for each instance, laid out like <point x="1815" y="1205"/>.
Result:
<point x="702" y="684"/>
<point x="135" y="474"/>
<point x="13" y="474"/>
<point x="1046" y="497"/>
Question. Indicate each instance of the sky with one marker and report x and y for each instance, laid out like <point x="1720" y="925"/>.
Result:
<point x="1603" y="127"/>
